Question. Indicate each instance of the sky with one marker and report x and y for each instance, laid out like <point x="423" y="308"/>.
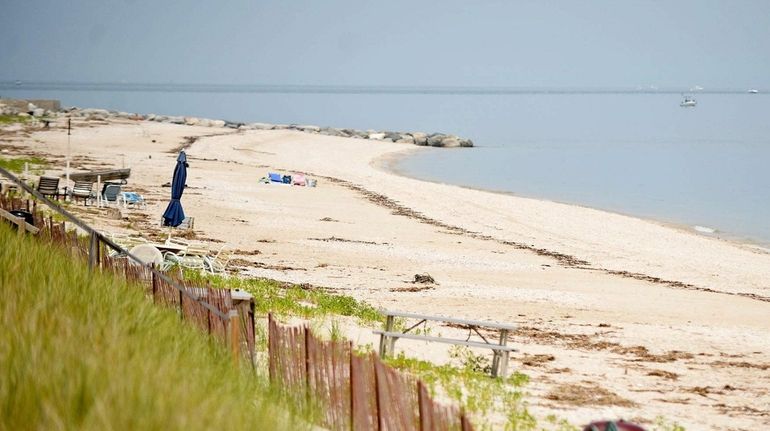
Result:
<point x="569" y="43"/>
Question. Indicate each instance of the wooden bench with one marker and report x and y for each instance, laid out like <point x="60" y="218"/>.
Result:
<point x="500" y="349"/>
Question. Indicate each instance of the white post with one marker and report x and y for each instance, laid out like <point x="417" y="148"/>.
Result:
<point x="26" y="170"/>
<point x="69" y="130"/>
<point x="98" y="191"/>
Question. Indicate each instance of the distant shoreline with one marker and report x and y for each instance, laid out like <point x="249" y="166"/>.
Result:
<point x="356" y="89"/>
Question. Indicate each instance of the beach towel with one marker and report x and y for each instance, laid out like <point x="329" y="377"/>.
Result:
<point x="274" y="177"/>
<point x="298" y="180"/>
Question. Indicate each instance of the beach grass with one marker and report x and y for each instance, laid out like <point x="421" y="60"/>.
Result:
<point x="492" y="403"/>
<point x="286" y="299"/>
<point x="12" y="119"/>
<point x="82" y="350"/>
<point x="36" y="164"/>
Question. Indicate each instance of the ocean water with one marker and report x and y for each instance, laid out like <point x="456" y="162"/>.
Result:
<point x="637" y="153"/>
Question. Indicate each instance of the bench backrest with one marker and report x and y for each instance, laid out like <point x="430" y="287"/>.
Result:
<point x="48" y="186"/>
<point x="82" y="187"/>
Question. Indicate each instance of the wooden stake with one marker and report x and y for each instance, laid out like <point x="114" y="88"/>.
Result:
<point x="234" y="336"/>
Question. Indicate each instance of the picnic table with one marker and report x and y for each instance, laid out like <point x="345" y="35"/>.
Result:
<point x="500" y="349"/>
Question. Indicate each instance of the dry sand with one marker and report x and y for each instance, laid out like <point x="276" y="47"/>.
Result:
<point x="671" y="320"/>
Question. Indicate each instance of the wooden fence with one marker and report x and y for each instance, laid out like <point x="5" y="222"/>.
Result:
<point x="353" y="391"/>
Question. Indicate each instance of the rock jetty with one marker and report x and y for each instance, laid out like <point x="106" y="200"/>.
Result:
<point x="19" y="107"/>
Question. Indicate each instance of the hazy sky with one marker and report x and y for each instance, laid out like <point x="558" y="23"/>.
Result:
<point x="393" y="42"/>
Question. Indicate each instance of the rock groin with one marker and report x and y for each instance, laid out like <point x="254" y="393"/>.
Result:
<point x="18" y="107"/>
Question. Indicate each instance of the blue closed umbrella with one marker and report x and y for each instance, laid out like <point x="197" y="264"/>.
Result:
<point x="174" y="215"/>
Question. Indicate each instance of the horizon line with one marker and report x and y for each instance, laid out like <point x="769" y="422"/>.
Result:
<point x="360" y="89"/>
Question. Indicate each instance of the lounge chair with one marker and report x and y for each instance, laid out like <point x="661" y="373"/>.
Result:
<point x="49" y="186"/>
<point x="110" y="193"/>
<point x="217" y="264"/>
<point x="192" y="255"/>
<point x="83" y="190"/>
<point x="132" y="198"/>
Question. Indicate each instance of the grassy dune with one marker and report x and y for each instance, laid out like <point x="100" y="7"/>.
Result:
<point x="84" y="351"/>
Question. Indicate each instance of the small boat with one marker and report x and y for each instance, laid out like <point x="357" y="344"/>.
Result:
<point x="109" y="175"/>
<point x="688" y="102"/>
<point x="17" y="83"/>
<point x="753" y="91"/>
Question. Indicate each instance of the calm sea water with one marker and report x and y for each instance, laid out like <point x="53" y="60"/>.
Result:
<point x="638" y="154"/>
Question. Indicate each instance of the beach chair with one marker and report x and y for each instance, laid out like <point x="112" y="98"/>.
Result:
<point x="132" y="199"/>
<point x="191" y="255"/>
<point x="217" y="264"/>
<point x="49" y="186"/>
<point x="110" y="193"/>
<point x="82" y="190"/>
<point x="275" y="177"/>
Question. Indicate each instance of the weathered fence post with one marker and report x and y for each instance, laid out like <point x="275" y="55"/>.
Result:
<point x="307" y="365"/>
<point x="352" y="379"/>
<point x="154" y="286"/>
<point x="422" y="407"/>
<point x="377" y="382"/>
<point x="465" y="424"/>
<point x="93" y="251"/>
<point x="235" y="342"/>
<point x="181" y="305"/>
<point x="208" y="320"/>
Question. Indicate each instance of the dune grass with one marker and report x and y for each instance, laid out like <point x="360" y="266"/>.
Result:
<point x="36" y="164"/>
<point x="12" y="119"/>
<point x="285" y="299"/>
<point x="86" y="351"/>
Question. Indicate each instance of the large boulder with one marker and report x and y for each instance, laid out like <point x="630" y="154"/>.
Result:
<point x="306" y="128"/>
<point x="420" y="138"/>
<point x="393" y="136"/>
<point x="405" y="139"/>
<point x="219" y="123"/>
<point x="331" y="131"/>
<point x="466" y="143"/>
<point x="436" y="139"/>
<point x="378" y="136"/>
<point x="260" y="126"/>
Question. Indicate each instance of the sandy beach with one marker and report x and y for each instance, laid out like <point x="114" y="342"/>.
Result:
<point x="671" y="322"/>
